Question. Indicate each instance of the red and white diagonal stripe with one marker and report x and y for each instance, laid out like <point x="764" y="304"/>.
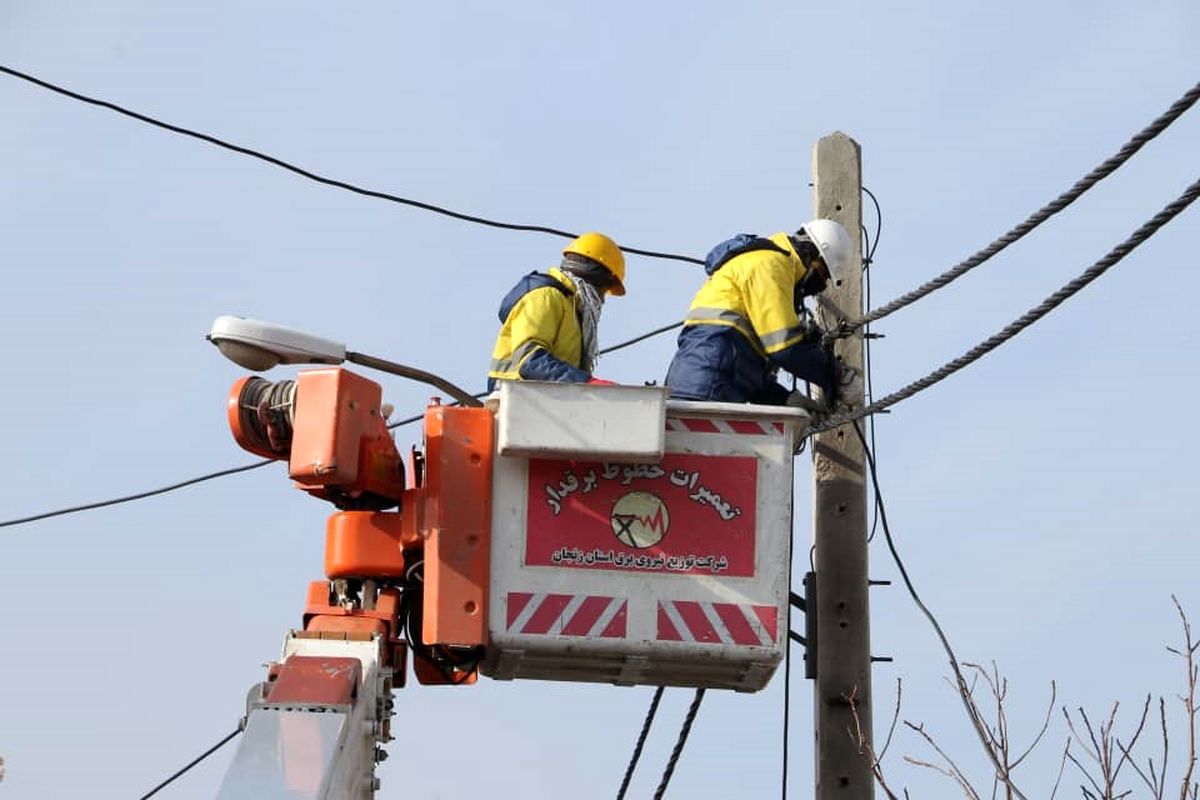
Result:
<point x="717" y="623"/>
<point x="742" y="427"/>
<point x="545" y="614"/>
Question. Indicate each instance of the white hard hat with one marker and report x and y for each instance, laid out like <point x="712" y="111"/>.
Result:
<point x="832" y="242"/>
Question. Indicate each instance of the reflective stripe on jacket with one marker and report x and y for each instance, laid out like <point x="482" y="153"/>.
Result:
<point x="743" y="325"/>
<point x="540" y="338"/>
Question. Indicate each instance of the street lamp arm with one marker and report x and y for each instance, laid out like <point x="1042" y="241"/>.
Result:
<point x="383" y="365"/>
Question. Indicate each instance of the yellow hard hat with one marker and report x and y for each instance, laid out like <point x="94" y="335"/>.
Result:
<point x="604" y="251"/>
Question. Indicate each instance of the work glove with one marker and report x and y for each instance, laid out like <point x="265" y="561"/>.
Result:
<point x="600" y="382"/>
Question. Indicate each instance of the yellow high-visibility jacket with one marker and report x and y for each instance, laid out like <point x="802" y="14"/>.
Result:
<point x="742" y="325"/>
<point x="540" y="338"/>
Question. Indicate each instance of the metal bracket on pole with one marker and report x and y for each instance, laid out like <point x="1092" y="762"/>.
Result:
<point x="807" y="604"/>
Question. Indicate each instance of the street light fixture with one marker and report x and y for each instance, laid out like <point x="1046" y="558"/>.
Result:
<point x="258" y="346"/>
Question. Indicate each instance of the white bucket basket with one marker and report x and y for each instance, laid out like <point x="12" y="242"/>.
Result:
<point x="639" y="553"/>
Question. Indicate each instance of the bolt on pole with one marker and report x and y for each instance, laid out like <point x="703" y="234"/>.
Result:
<point x="842" y="702"/>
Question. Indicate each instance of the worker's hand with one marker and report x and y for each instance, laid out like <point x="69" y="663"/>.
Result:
<point x="600" y="382"/>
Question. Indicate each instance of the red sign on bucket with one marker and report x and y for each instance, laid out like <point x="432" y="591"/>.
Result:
<point x="688" y="514"/>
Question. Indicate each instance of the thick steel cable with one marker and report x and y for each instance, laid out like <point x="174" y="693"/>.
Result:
<point x="1038" y="217"/>
<point x="246" y="151"/>
<point x="679" y="743"/>
<point x="1025" y="320"/>
<point x="641" y="742"/>
<point x="241" y="726"/>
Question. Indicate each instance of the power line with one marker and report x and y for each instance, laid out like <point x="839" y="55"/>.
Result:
<point x="641" y="338"/>
<point x="972" y="712"/>
<point x="641" y="741"/>
<point x="679" y="743"/>
<point x="1025" y="320"/>
<point x="868" y="262"/>
<point x="213" y="140"/>
<point x="1041" y="215"/>
<point x="128" y="498"/>
<point x="241" y="726"/>
<point x="257" y="464"/>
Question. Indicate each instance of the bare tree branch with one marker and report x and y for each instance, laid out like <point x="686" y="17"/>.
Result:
<point x="1189" y="702"/>
<point x="1062" y="765"/>
<point x="1045" y="726"/>
<point x="951" y="768"/>
<point x="865" y="749"/>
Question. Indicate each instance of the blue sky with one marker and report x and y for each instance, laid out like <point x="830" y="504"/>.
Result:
<point x="1041" y="498"/>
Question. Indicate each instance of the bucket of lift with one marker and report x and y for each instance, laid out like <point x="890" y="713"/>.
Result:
<point x="636" y="540"/>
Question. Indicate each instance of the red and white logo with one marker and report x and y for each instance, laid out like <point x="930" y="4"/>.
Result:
<point x="706" y="622"/>
<point x="546" y="614"/>
<point x="640" y="519"/>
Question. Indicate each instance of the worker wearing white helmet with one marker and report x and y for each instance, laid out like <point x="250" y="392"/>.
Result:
<point x="549" y="319"/>
<point x="743" y="324"/>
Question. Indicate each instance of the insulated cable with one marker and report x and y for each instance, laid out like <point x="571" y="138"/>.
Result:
<point x="257" y="464"/>
<point x="213" y="140"/>
<point x="1041" y="215"/>
<point x="868" y="384"/>
<point x="679" y="743"/>
<point x="138" y="496"/>
<point x="1025" y="320"/>
<point x="643" y="337"/>
<point x="241" y="726"/>
<point x="641" y="741"/>
<point x="972" y="712"/>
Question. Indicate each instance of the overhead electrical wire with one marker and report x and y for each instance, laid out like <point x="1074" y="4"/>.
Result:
<point x="247" y="467"/>
<point x="1102" y="171"/>
<point x="278" y="162"/>
<point x="868" y="262"/>
<point x="1025" y="320"/>
<point x="128" y="498"/>
<point x="241" y="726"/>
<point x="1065" y="199"/>
<point x="962" y="686"/>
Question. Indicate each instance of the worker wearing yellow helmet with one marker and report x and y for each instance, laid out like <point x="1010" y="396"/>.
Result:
<point x="744" y="325"/>
<point x="549" y="319"/>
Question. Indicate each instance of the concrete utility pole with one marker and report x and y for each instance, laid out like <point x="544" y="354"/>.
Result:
<point x="843" y="682"/>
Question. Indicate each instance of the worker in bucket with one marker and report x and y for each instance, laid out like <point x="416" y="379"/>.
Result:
<point x="550" y="318"/>
<point x="745" y="322"/>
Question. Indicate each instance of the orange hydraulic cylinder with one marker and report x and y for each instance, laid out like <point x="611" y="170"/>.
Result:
<point x="456" y="520"/>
